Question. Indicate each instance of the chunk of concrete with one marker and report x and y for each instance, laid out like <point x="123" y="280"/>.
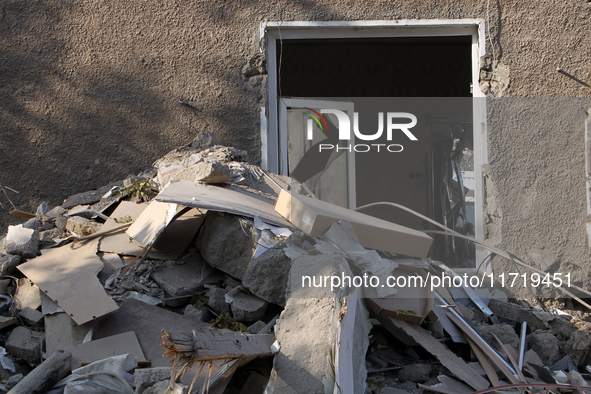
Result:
<point x="246" y="308"/>
<point x="43" y="209"/>
<point x="31" y="316"/>
<point x="56" y="212"/>
<point x="22" y="241"/>
<point x="9" y="263"/>
<point x="304" y="330"/>
<point x="546" y="345"/>
<point x="194" y="313"/>
<point x="204" y="140"/>
<point x="32" y="224"/>
<point x="61" y="332"/>
<point x="27" y="295"/>
<point x="147" y="377"/>
<point x="511" y="311"/>
<point x="418" y="373"/>
<point x="183" y="280"/>
<point x="217" y="300"/>
<point x="503" y="331"/>
<point x="267" y="276"/>
<point x="82" y="226"/>
<point x="226" y="244"/>
<point x="162" y="387"/>
<point x="25" y="345"/>
<point x="579" y="346"/>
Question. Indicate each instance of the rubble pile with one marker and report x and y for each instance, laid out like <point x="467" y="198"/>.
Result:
<point x="191" y="277"/>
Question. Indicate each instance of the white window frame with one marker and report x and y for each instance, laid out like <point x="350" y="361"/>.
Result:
<point x="273" y="32"/>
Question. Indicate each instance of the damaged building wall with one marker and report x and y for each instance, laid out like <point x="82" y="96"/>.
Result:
<point x="91" y="92"/>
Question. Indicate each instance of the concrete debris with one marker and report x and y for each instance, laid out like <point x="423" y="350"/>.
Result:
<point x="215" y="262"/>
<point x="227" y="243"/>
<point x="26" y="345"/>
<point x="82" y="227"/>
<point x="246" y="307"/>
<point x="147" y="377"/>
<point x="546" y="345"/>
<point x="266" y="275"/>
<point x="22" y="241"/>
<point x="8" y="264"/>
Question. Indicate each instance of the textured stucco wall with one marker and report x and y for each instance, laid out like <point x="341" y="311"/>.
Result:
<point x="90" y="92"/>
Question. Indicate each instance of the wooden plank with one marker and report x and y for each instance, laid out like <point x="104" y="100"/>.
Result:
<point x="67" y="275"/>
<point x="45" y="375"/>
<point x="485" y="363"/>
<point x="480" y="343"/>
<point x="448" y="359"/>
<point x="21" y="214"/>
<point x="209" y="344"/>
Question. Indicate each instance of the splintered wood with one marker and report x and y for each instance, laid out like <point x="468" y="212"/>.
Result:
<point x="207" y="344"/>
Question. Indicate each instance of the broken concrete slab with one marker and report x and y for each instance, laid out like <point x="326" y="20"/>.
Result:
<point x="116" y="345"/>
<point x="511" y="311"/>
<point x="144" y="378"/>
<point x="89" y="197"/>
<point x="503" y="331"/>
<point x="22" y="241"/>
<point x="84" y="298"/>
<point x="226" y="243"/>
<point x="266" y="276"/>
<point x="82" y="227"/>
<point x="579" y="346"/>
<point x="25" y="345"/>
<point x="32" y="224"/>
<point x="546" y="345"/>
<point x="27" y="295"/>
<point x="182" y="280"/>
<point x="305" y="330"/>
<point x="61" y="332"/>
<point x="9" y="263"/>
<point x="217" y="300"/>
<point x="246" y="307"/>
<point x="31" y="316"/>
<point x="204" y="171"/>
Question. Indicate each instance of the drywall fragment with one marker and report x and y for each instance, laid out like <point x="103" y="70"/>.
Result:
<point x="22" y="241"/>
<point x="31" y="316"/>
<point x="67" y="275"/>
<point x="231" y="199"/>
<point x="45" y="375"/>
<point x="147" y="377"/>
<point x="99" y="349"/>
